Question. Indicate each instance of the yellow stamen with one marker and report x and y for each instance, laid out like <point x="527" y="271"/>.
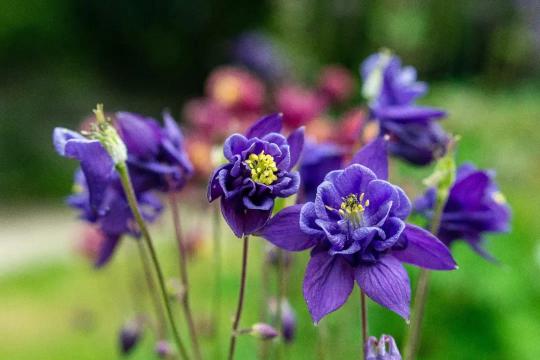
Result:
<point x="263" y="168"/>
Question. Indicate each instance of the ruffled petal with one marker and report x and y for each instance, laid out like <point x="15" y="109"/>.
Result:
<point x="243" y="221"/>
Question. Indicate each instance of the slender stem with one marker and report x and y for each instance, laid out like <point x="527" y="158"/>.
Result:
<point x="280" y="298"/>
<point x="265" y="284"/>
<point x="184" y="277"/>
<point x="232" y="345"/>
<point x="216" y="303"/>
<point x="132" y="200"/>
<point x="363" y="309"/>
<point x="420" y="297"/>
<point x="160" y="315"/>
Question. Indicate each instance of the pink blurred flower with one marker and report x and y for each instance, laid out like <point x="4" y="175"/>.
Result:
<point x="298" y="105"/>
<point x="336" y="83"/>
<point x="208" y="117"/>
<point x="90" y="241"/>
<point x="200" y="153"/>
<point x="321" y="129"/>
<point x="350" y="127"/>
<point x="235" y="89"/>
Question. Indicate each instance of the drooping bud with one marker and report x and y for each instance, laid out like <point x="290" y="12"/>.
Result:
<point x="130" y="335"/>
<point x="163" y="349"/>
<point x="104" y="131"/>
<point x="263" y="331"/>
<point x="383" y="349"/>
<point x="288" y="321"/>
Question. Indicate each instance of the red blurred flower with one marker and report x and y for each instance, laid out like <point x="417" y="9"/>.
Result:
<point x="298" y="105"/>
<point x="336" y="83"/>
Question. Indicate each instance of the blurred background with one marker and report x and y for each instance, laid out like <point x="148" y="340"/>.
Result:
<point x="59" y="58"/>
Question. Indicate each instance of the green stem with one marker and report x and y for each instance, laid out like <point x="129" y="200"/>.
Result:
<point x="132" y="200"/>
<point x="188" y="313"/>
<point x="236" y="322"/>
<point x="420" y="297"/>
<point x="363" y="310"/>
<point x="216" y="301"/>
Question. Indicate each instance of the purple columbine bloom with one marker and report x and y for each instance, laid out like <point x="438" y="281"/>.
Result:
<point x="317" y="161"/>
<point x="258" y="170"/>
<point x="357" y="231"/>
<point x="383" y="349"/>
<point x="156" y="155"/>
<point x="392" y="89"/>
<point x="475" y="206"/>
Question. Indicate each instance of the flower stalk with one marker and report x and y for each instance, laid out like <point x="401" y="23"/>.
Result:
<point x="236" y="322"/>
<point x="216" y="303"/>
<point x="132" y="200"/>
<point x="363" y="310"/>
<point x="186" y="306"/>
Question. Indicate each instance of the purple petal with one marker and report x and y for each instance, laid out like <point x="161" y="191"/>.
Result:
<point x="296" y="143"/>
<point x="61" y="136"/>
<point x="425" y="250"/>
<point x="386" y="283"/>
<point x="243" y="221"/>
<point x="283" y="230"/>
<point x="172" y="129"/>
<point x="234" y="145"/>
<point x="471" y="189"/>
<point x="375" y="157"/>
<point x="141" y="135"/>
<point x="107" y="250"/>
<point x="408" y="113"/>
<point x="266" y="125"/>
<point x="328" y="282"/>
<point x="353" y="180"/>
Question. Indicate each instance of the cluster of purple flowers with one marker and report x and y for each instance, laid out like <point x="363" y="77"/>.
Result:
<point x="156" y="160"/>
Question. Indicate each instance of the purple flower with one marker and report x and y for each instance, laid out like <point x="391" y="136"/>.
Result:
<point x="475" y="206"/>
<point x="130" y="335"/>
<point x="263" y="331"/>
<point x="156" y="155"/>
<point x="317" y="161"/>
<point x="392" y="91"/>
<point x="258" y="170"/>
<point x="288" y="321"/>
<point x="357" y="231"/>
<point x="163" y="349"/>
<point x="383" y="349"/>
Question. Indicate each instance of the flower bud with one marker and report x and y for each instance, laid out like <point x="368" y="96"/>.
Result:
<point x="163" y="349"/>
<point x="104" y="131"/>
<point x="263" y="331"/>
<point x="130" y="335"/>
<point x="288" y="321"/>
<point x="383" y="349"/>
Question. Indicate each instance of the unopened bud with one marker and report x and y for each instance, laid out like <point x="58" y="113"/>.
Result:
<point x="263" y="331"/>
<point x="163" y="349"/>
<point x="130" y="335"/>
<point x="383" y="349"/>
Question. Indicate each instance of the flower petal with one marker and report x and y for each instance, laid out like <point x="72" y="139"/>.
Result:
<point x="107" y="249"/>
<point x="243" y="221"/>
<point x="296" y="143"/>
<point x="375" y="157"/>
<point x="234" y="145"/>
<point x="353" y="180"/>
<point x="283" y="230"/>
<point x="328" y="282"/>
<point x="140" y="134"/>
<point x="266" y="125"/>
<point x="408" y="113"/>
<point x="61" y="136"/>
<point x="425" y="250"/>
<point x="386" y="283"/>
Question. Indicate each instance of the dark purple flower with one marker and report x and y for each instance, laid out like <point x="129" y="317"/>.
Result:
<point x="383" y="349"/>
<point x="288" y="321"/>
<point x="317" y="161"/>
<point x="156" y="155"/>
<point x="258" y="170"/>
<point x="130" y="334"/>
<point x="475" y="207"/>
<point x="356" y="227"/>
<point x="392" y="91"/>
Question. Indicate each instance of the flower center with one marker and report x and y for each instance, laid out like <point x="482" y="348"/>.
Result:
<point x="352" y="208"/>
<point x="263" y="168"/>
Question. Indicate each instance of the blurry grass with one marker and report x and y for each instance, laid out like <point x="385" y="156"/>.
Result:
<point x="482" y="311"/>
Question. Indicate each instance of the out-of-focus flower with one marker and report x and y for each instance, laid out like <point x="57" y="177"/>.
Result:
<point x="164" y="350"/>
<point x="156" y="155"/>
<point x="276" y="257"/>
<point x="263" y="331"/>
<point x="475" y="206"/>
<point x="200" y="153"/>
<point x="235" y="89"/>
<point x="130" y="335"/>
<point x="298" y="105"/>
<point x="209" y="119"/>
<point x="350" y="126"/>
<point x="258" y="53"/>
<point x="392" y="90"/>
<point x="258" y="170"/>
<point x="321" y="129"/>
<point x="336" y="84"/>
<point x="288" y="321"/>
<point x="383" y="349"/>
<point x="90" y="243"/>
<point x="356" y="227"/>
<point x="317" y="161"/>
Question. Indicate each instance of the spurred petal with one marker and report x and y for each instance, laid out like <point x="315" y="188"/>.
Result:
<point x="408" y="113"/>
<point x="107" y="250"/>
<point x="328" y="282"/>
<point x="375" y="157"/>
<point x="241" y="220"/>
<point x="386" y="283"/>
<point x="268" y="124"/>
<point x="296" y="143"/>
<point x="283" y="230"/>
<point x="140" y="134"/>
<point x="60" y="138"/>
<point x="425" y="250"/>
<point x="471" y="189"/>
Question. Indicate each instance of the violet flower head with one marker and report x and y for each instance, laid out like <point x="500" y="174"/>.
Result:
<point x="383" y="349"/>
<point x="258" y="169"/>
<point x="475" y="206"/>
<point x="392" y="90"/>
<point x="157" y="158"/>
<point x="130" y="335"/>
<point x="317" y="161"/>
<point x="357" y="231"/>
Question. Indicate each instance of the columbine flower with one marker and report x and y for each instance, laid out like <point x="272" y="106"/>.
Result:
<point x="317" y="161"/>
<point x="475" y="206"/>
<point x="298" y="105"/>
<point x="130" y="335"/>
<point x="263" y="331"/>
<point x="336" y="84"/>
<point x="383" y="349"/>
<point x="258" y="170"/>
<point x="391" y="90"/>
<point x="356" y="227"/>
<point x="156" y="156"/>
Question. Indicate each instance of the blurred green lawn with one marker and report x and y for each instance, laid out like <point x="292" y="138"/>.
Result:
<point x="65" y="310"/>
